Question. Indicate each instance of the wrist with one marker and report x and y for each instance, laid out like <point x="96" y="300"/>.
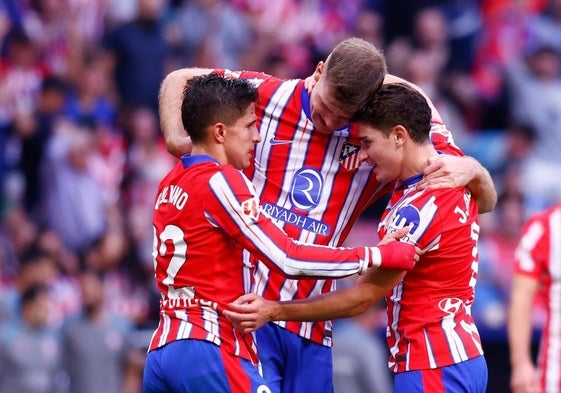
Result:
<point x="275" y="312"/>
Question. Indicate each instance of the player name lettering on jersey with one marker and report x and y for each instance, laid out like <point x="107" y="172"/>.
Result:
<point x="185" y="303"/>
<point x="306" y="223"/>
<point x="174" y="195"/>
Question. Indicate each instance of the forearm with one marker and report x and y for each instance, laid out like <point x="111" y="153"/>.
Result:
<point x="339" y="304"/>
<point x="170" y="100"/>
<point x="519" y="325"/>
<point x="482" y="187"/>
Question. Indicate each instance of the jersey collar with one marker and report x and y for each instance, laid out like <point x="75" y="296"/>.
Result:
<point x="190" y="160"/>
<point x="410" y="181"/>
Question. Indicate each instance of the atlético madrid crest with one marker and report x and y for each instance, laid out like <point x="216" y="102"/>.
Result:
<point x="349" y="158"/>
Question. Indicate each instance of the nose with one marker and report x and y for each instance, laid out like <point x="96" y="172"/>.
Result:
<point x="362" y="156"/>
<point x="256" y="135"/>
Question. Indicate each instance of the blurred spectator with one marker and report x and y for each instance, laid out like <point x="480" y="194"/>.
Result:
<point x="18" y="233"/>
<point x="98" y="363"/>
<point x="139" y="54"/>
<point x="55" y="28"/>
<point x="465" y="23"/>
<point x="147" y="162"/>
<point x="36" y="268"/>
<point x="35" y="131"/>
<point x="29" y="350"/>
<point x="92" y="100"/>
<point x="21" y="76"/>
<point x="430" y="36"/>
<point x="500" y="231"/>
<point x="534" y="86"/>
<point x="548" y="22"/>
<point x="369" y="26"/>
<point x="422" y="69"/>
<point x="502" y="41"/>
<point x="210" y="33"/>
<point x="69" y="186"/>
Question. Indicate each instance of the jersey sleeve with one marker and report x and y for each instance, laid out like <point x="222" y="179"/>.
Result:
<point x="529" y="258"/>
<point x="442" y="139"/>
<point x="235" y="208"/>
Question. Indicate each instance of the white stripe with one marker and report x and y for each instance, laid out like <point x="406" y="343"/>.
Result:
<point x="552" y="374"/>
<point x="185" y="326"/>
<point x="455" y="343"/>
<point x="397" y="294"/>
<point x="267" y="129"/>
<point x="247" y="272"/>
<point x="261" y="278"/>
<point x="165" y="329"/>
<point x="210" y="318"/>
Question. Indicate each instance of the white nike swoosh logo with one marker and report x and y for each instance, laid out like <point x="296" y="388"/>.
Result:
<point x="274" y="141"/>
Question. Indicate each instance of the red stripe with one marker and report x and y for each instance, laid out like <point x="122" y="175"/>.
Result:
<point x="238" y="379"/>
<point x="432" y="380"/>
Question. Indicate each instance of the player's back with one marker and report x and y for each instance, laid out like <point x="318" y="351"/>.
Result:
<point x="199" y="268"/>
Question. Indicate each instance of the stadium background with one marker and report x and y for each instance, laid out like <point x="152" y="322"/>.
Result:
<point x="79" y="133"/>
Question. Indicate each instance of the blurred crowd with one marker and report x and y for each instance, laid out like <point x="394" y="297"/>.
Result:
<point x="81" y="151"/>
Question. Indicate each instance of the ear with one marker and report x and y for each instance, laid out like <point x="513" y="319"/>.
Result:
<point x="219" y="132"/>
<point x="319" y="70"/>
<point x="400" y="134"/>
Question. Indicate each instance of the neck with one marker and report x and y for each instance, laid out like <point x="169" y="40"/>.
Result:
<point x="213" y="151"/>
<point x="417" y="159"/>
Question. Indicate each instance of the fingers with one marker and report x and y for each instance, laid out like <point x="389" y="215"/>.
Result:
<point x="247" y="298"/>
<point x="242" y="322"/>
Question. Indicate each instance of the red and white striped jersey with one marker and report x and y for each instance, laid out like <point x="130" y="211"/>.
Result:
<point x="205" y="214"/>
<point x="538" y="256"/>
<point x="311" y="184"/>
<point x="429" y="311"/>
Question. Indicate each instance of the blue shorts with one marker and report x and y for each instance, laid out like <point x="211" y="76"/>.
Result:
<point x="465" y="377"/>
<point x="199" y="366"/>
<point x="292" y="364"/>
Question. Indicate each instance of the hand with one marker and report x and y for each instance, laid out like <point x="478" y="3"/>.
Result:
<point x="446" y="171"/>
<point x="249" y="312"/>
<point x="393" y="236"/>
<point x="525" y="379"/>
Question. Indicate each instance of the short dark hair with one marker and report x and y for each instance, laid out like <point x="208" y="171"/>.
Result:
<point x="354" y="70"/>
<point x="397" y="104"/>
<point x="211" y="98"/>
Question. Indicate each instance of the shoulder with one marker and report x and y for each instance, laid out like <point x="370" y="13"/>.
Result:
<point x="230" y="177"/>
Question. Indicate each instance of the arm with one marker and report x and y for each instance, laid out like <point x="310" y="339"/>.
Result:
<point x="454" y="171"/>
<point x="170" y="99"/>
<point x="249" y="312"/>
<point x="234" y="207"/>
<point x="524" y="375"/>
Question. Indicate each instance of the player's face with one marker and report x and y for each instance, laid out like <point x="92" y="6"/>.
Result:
<point x="382" y="152"/>
<point x="326" y="115"/>
<point x="241" y="138"/>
